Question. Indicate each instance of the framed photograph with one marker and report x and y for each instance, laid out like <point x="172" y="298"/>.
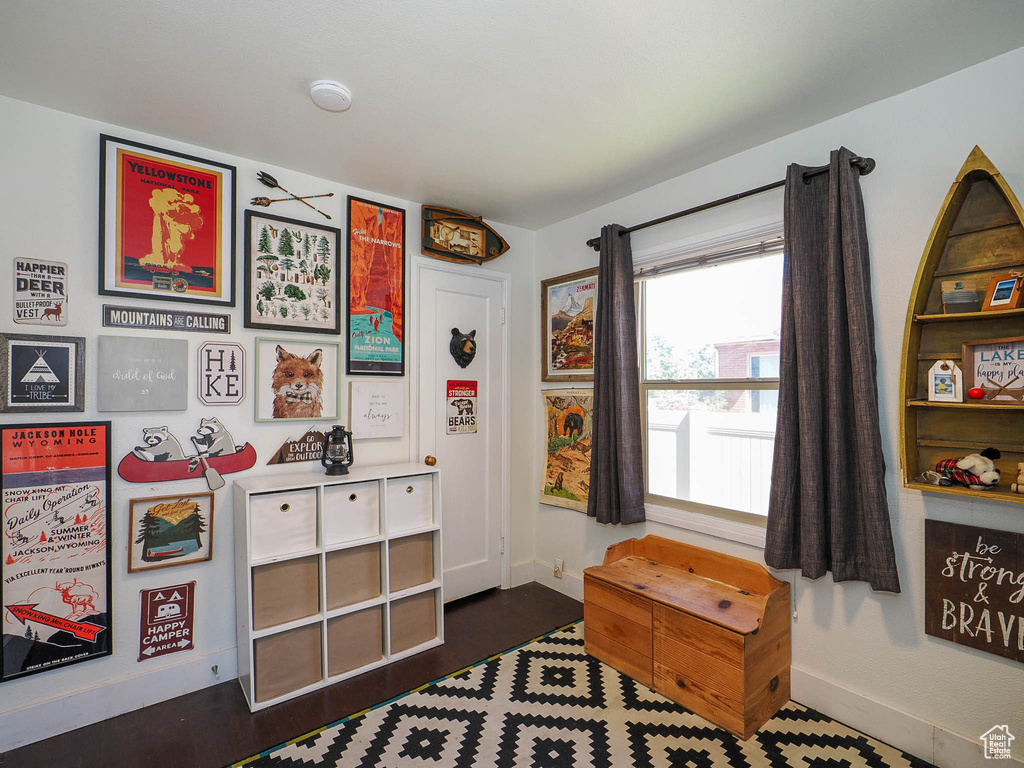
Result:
<point x="297" y="380"/>
<point x="292" y="280"/>
<point x="945" y="383"/>
<point x="41" y="374"/>
<point x="164" y="531"/>
<point x="375" y="276"/>
<point x="55" y="545"/>
<point x="376" y="409"/>
<point x="1004" y="292"/>
<point x="567" y="305"/>
<point x="569" y="415"/>
<point x="138" y="373"/>
<point x="167" y="225"/>
<point x="997" y="367"/>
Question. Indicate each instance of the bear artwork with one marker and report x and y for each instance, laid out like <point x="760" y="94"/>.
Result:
<point x="463" y="347"/>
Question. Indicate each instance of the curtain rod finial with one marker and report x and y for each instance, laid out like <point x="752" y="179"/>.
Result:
<point x="595" y="243"/>
<point x="864" y="164"/>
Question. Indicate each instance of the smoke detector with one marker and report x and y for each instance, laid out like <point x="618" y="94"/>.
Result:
<point x="330" y="95"/>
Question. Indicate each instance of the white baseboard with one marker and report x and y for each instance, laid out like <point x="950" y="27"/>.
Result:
<point x="522" y="573"/>
<point x="570" y="584"/>
<point x="921" y="738"/>
<point x="49" y="718"/>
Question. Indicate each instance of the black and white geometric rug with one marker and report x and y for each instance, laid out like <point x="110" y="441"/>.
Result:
<point x="547" y="704"/>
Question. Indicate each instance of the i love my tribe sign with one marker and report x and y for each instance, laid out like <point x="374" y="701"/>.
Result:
<point x="974" y="587"/>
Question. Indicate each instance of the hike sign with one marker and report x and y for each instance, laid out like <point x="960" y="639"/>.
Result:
<point x="166" y="620"/>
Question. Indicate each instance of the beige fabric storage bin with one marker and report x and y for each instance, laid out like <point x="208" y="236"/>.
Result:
<point x="353" y="575"/>
<point x="287" y="661"/>
<point x="410" y="502"/>
<point x="410" y="561"/>
<point x="282" y="523"/>
<point x="413" y="621"/>
<point x="351" y="512"/>
<point x="285" y="591"/>
<point x="355" y="640"/>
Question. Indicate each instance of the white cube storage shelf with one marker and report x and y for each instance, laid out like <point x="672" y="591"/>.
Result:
<point x="334" y="576"/>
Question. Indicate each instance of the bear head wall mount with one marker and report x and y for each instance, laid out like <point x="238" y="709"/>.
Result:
<point x="463" y="347"/>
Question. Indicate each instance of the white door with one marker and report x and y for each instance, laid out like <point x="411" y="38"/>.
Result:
<point x="473" y="465"/>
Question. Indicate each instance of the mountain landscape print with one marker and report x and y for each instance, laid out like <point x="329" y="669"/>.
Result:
<point x="569" y="304"/>
<point x="171" y="530"/>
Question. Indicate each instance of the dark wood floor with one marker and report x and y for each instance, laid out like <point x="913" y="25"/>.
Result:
<point x="213" y="728"/>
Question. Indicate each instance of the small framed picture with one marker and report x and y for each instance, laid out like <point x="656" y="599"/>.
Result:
<point x="296" y="380"/>
<point x="1004" y="292"/>
<point x="42" y="374"/>
<point x="996" y="366"/>
<point x="292" y="277"/>
<point x="164" y="531"/>
<point x="945" y="383"/>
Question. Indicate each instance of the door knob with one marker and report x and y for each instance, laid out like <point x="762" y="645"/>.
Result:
<point x="430" y="461"/>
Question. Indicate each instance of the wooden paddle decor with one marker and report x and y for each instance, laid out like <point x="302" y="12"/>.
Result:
<point x="456" y="236"/>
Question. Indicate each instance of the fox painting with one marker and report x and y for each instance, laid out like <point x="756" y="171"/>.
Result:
<point x="298" y="384"/>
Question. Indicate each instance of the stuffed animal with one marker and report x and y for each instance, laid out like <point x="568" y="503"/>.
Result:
<point x="976" y="471"/>
<point x="1018" y="487"/>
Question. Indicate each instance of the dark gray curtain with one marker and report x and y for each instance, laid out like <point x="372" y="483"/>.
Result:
<point x="616" y="458"/>
<point x="827" y="510"/>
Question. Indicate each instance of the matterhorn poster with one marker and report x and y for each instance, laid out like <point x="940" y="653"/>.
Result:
<point x="55" y="567"/>
<point x="569" y="302"/>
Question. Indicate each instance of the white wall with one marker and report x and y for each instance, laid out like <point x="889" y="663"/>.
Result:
<point x="850" y="646"/>
<point x="49" y="209"/>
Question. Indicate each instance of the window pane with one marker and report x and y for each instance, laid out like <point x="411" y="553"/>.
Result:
<point x="711" y="447"/>
<point x="710" y="322"/>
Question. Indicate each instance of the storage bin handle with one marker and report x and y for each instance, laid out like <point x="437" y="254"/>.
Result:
<point x="408" y="489"/>
<point x="352" y="497"/>
<point x="285" y="507"/>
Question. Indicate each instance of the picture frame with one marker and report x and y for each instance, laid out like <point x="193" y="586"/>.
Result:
<point x="41" y="373"/>
<point x="167" y="224"/>
<point x="569" y="415"/>
<point x="55" y="488"/>
<point x="297" y="380"/>
<point x="141" y="373"/>
<point x="1004" y="292"/>
<point x="376" y="409"/>
<point x="168" y="531"/>
<point x="291" y="275"/>
<point x="376" y="323"/>
<point x="568" y="304"/>
<point x="945" y="383"/>
<point x="997" y="367"/>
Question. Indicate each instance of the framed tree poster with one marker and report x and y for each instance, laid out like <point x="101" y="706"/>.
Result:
<point x="376" y="288"/>
<point x="167" y="224"/>
<point x="292" y="281"/>
<point x="55" y="546"/>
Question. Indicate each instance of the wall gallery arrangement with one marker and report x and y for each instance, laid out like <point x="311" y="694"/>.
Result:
<point x="55" y="551"/>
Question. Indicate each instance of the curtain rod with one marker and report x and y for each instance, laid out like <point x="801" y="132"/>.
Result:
<point x="864" y="164"/>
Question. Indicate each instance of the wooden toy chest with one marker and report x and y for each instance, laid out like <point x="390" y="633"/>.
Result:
<point x="707" y="630"/>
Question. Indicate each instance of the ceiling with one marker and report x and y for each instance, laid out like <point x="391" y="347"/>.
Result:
<point x="524" y="111"/>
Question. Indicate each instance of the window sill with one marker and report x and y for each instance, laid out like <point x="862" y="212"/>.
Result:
<point x="730" y="530"/>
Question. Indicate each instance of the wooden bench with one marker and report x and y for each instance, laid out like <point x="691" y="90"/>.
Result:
<point x="707" y="630"/>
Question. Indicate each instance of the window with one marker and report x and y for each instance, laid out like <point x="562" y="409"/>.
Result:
<point x="709" y="328"/>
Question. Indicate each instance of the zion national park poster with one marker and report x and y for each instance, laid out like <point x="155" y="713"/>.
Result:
<point x="167" y="224"/>
<point x="376" y="288"/>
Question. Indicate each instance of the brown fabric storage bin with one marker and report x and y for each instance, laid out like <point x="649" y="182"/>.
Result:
<point x="287" y="661"/>
<point x="413" y="621"/>
<point x="286" y="591"/>
<point x="354" y="640"/>
<point x="411" y="561"/>
<point x="353" y="575"/>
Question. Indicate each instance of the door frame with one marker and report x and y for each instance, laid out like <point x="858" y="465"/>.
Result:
<point x="503" y="279"/>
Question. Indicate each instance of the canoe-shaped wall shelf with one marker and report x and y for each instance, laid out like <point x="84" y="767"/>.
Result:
<point x="452" y="235"/>
<point x="978" y="235"/>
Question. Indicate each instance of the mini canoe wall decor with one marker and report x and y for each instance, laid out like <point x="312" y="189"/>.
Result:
<point x="460" y="237"/>
<point x="978" y="234"/>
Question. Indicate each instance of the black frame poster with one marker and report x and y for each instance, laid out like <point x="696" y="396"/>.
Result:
<point x="55" y="546"/>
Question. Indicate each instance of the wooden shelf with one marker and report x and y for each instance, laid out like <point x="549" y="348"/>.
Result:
<point x="974" y="404"/>
<point x="970" y="445"/>
<point x="992" y="314"/>
<point x="958" y="490"/>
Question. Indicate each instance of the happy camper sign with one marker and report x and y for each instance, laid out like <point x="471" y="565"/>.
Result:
<point x="974" y="587"/>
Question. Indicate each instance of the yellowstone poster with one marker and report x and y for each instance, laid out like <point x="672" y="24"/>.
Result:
<point x="570" y="427"/>
<point x="166" y="224"/>
<point x="55" y="548"/>
<point x="376" y="288"/>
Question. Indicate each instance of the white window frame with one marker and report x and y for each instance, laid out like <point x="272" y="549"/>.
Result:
<point x="731" y="525"/>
